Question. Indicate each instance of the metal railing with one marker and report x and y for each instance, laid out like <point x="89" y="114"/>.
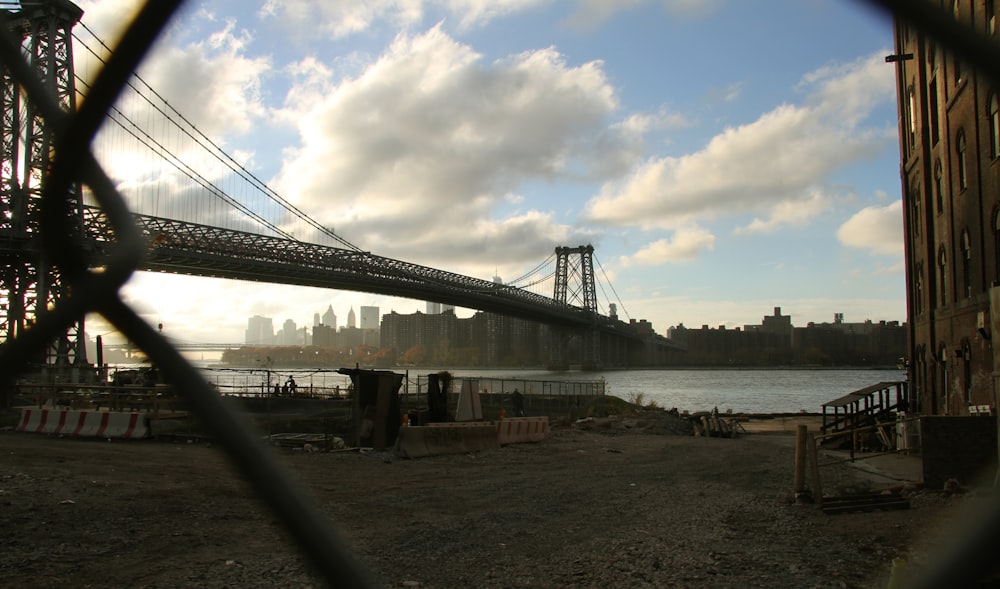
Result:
<point x="91" y="292"/>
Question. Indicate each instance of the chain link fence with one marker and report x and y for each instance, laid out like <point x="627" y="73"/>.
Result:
<point x="89" y="291"/>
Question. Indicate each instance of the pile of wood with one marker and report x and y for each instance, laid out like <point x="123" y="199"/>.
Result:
<point x="710" y="424"/>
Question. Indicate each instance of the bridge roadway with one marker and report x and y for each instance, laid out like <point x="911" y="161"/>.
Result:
<point x="187" y="248"/>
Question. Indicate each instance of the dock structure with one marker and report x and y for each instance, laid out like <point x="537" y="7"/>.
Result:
<point x="869" y="407"/>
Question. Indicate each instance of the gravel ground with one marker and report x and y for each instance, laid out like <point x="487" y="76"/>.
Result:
<point x="624" y="503"/>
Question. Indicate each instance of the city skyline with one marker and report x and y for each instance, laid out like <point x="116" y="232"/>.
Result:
<point x="760" y="169"/>
<point x="777" y="312"/>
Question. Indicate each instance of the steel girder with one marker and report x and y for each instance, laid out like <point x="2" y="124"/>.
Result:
<point x="186" y="248"/>
<point x="29" y="284"/>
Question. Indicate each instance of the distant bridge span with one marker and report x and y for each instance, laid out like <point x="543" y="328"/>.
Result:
<point x="180" y="247"/>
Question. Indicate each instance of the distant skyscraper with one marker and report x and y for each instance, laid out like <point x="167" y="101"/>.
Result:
<point x="351" y="322"/>
<point x="260" y="331"/>
<point x="433" y="308"/>
<point x="289" y="334"/>
<point x="369" y="318"/>
<point x="315" y="319"/>
<point x="329" y="318"/>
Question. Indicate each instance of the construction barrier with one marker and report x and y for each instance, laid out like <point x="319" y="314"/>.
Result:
<point x="445" y="438"/>
<point x="98" y="424"/>
<point x="518" y="430"/>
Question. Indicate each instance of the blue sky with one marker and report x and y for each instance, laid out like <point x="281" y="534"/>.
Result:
<point x="724" y="157"/>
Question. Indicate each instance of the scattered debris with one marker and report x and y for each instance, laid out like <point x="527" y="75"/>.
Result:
<point x="864" y="502"/>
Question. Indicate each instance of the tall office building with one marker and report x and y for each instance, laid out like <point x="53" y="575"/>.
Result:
<point x="260" y="331"/>
<point x="369" y="318"/>
<point x="438" y="308"/>
<point x="350" y="319"/>
<point x="370" y="326"/>
<point x="329" y="318"/>
<point x="289" y="334"/>
<point x="949" y="131"/>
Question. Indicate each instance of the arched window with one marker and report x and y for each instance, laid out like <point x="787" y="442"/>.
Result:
<point x="942" y="278"/>
<point x="961" y="163"/>
<point x="966" y="264"/>
<point x="939" y="185"/>
<point x="915" y="205"/>
<point x="994" y="117"/>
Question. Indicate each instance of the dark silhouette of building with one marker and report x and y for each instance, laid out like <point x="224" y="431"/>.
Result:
<point x="776" y="342"/>
<point x="485" y="339"/>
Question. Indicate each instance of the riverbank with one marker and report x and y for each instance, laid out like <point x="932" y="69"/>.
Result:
<point x="588" y="507"/>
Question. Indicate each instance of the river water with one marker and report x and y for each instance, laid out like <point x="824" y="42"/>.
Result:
<point x="742" y="391"/>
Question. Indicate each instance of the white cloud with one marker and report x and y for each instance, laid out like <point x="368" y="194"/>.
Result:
<point x="687" y="244"/>
<point x="213" y="82"/>
<point x="340" y="18"/>
<point x="876" y="229"/>
<point x="413" y="156"/>
<point x="789" y="213"/>
<point x="780" y="158"/>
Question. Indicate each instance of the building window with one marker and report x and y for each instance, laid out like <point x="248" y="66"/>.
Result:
<point x="914" y="196"/>
<point x="934" y="111"/>
<point x="967" y="371"/>
<point x="941" y="385"/>
<point x="967" y="264"/>
<point x="963" y="178"/>
<point x="994" y="115"/>
<point x="942" y="278"/>
<point x="931" y="56"/>
<point x="996" y="245"/>
<point x="939" y="185"/>
<point x="918" y="294"/>
<point x="912" y="117"/>
<point x="991" y="17"/>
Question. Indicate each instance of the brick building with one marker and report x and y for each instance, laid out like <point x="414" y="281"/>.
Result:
<point x="949" y="128"/>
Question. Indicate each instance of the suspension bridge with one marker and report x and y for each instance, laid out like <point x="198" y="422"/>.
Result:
<point x="202" y="213"/>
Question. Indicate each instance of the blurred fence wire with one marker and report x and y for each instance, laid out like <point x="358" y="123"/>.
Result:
<point x="90" y="291"/>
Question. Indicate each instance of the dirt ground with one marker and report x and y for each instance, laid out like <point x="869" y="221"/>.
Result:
<point x="623" y="504"/>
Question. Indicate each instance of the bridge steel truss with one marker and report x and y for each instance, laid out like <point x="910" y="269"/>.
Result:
<point x="29" y="285"/>
<point x="575" y="266"/>
<point x="180" y="247"/>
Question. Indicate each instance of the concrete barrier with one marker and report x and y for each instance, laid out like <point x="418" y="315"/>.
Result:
<point x="519" y="430"/>
<point x="99" y="424"/>
<point x="445" y="438"/>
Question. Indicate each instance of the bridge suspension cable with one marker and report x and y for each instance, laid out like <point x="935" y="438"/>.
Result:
<point x="172" y="116"/>
<point x="534" y="270"/>
<point x="611" y="286"/>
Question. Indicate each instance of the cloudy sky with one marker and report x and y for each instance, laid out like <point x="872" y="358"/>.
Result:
<point x="724" y="157"/>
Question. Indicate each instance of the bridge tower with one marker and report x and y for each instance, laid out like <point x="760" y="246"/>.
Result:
<point x="574" y="284"/>
<point x="29" y="284"/>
